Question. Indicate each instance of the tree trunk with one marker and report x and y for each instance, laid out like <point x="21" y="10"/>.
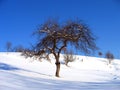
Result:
<point x="57" y="69"/>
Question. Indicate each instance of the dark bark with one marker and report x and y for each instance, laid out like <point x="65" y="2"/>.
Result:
<point x="57" y="64"/>
<point x="57" y="69"/>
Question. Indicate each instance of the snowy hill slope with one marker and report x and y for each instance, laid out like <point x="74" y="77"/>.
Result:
<point x="18" y="73"/>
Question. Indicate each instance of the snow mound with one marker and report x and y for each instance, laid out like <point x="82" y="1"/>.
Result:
<point x="85" y="73"/>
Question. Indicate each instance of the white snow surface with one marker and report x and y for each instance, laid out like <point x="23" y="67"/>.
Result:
<point x="85" y="73"/>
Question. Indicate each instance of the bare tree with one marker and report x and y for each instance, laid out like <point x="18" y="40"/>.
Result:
<point x="19" y="48"/>
<point x="100" y="54"/>
<point x="53" y="37"/>
<point x="109" y="56"/>
<point x="69" y="57"/>
<point x="8" y="46"/>
<point x="32" y="54"/>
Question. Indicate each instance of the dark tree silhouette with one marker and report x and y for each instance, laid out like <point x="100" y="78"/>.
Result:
<point x="19" y="48"/>
<point x="53" y="37"/>
<point x="8" y="46"/>
<point x="100" y="54"/>
<point x="109" y="56"/>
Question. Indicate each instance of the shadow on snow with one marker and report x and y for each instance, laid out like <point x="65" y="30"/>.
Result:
<point x="45" y="84"/>
<point x="4" y="66"/>
<point x="8" y="67"/>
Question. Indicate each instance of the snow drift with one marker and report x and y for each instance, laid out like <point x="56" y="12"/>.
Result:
<point x="85" y="73"/>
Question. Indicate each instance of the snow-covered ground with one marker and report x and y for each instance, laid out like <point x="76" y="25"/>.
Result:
<point x="86" y="73"/>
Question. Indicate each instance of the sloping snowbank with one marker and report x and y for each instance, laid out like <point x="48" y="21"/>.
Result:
<point x="18" y="73"/>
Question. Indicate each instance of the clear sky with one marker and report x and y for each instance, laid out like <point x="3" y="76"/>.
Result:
<point x="19" y="18"/>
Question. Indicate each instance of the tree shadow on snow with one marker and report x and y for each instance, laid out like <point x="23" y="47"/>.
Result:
<point x="4" y="66"/>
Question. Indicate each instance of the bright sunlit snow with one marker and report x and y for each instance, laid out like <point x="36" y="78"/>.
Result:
<point x="85" y="73"/>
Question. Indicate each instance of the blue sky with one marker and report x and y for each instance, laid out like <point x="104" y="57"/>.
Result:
<point x="19" y="18"/>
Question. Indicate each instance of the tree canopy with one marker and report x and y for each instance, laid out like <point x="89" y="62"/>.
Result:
<point x="54" y="37"/>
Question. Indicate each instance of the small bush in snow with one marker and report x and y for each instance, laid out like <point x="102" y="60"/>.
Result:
<point x="100" y="54"/>
<point x="8" y="46"/>
<point x="110" y="57"/>
<point x="69" y="57"/>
